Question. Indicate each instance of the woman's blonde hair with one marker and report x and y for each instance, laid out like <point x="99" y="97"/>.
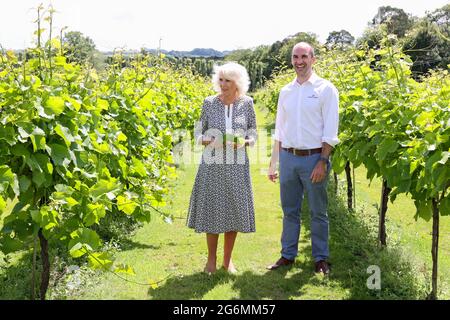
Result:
<point x="231" y="71"/>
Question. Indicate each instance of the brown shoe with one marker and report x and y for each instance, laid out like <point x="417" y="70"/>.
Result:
<point x="322" y="266"/>
<point x="281" y="262"/>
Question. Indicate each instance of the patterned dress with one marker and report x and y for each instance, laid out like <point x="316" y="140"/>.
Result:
<point x="222" y="197"/>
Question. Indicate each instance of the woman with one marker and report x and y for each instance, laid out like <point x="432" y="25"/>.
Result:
<point x="222" y="198"/>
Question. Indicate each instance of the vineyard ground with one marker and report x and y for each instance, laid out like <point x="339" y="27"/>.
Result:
<point x="177" y="254"/>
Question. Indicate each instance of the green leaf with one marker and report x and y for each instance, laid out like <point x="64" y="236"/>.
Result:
<point x="425" y="118"/>
<point x="76" y="104"/>
<point x="123" y="167"/>
<point x="83" y="239"/>
<point x="76" y="249"/>
<point x="45" y="218"/>
<point x="104" y="187"/>
<point x="71" y="202"/>
<point x="39" y="178"/>
<point x="126" y="205"/>
<point x="138" y="167"/>
<point x="44" y="162"/>
<point x="8" y="134"/>
<point x="54" y="105"/>
<point x="102" y="104"/>
<point x="64" y="133"/>
<point x="386" y="146"/>
<point x="167" y="140"/>
<point x="41" y="168"/>
<point x="441" y="177"/>
<point x="153" y="284"/>
<point x="102" y="148"/>
<point x="8" y="178"/>
<point x="60" y="61"/>
<point x="24" y="183"/>
<point x="124" y="268"/>
<point x="38" y="142"/>
<point x="444" y="206"/>
<point x="433" y="161"/>
<point x="445" y="156"/>
<point x="414" y="165"/>
<point x="6" y="175"/>
<point x="94" y="214"/>
<point x="424" y="209"/>
<point x="59" y="153"/>
<point x="121" y="137"/>
<point x="27" y="129"/>
<point x="20" y="150"/>
<point x="8" y="244"/>
<point x="100" y="260"/>
<point x="2" y="205"/>
<point x="338" y="163"/>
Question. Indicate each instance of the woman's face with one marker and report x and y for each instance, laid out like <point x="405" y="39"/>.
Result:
<point x="227" y="86"/>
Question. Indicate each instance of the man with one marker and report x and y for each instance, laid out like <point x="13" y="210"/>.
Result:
<point x="306" y="131"/>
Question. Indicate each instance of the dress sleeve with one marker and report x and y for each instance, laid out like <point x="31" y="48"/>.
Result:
<point x="252" y="134"/>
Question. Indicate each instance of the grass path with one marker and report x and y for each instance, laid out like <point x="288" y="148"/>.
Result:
<point x="177" y="254"/>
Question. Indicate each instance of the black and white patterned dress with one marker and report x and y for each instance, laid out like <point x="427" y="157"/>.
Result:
<point x="222" y="197"/>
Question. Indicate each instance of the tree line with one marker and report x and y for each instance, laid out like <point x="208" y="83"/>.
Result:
<point x="425" y="39"/>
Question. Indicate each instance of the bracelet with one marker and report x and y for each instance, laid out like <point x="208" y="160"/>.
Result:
<point x="323" y="159"/>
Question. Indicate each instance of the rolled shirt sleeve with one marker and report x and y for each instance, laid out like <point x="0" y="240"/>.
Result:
<point x="279" y="121"/>
<point x="330" y="114"/>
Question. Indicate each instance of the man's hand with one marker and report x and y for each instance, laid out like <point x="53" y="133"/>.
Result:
<point x="319" y="173"/>
<point x="272" y="173"/>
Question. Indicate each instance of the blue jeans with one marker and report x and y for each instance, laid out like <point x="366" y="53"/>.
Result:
<point x="295" y="172"/>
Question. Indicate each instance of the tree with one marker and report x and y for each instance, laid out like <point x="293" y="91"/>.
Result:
<point x="442" y="18"/>
<point x="339" y="39"/>
<point x="422" y="46"/>
<point x="428" y="43"/>
<point x="396" y="20"/>
<point x="288" y="43"/>
<point x="78" y="48"/>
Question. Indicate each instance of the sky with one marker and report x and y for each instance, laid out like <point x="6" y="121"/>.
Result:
<point x="188" y="24"/>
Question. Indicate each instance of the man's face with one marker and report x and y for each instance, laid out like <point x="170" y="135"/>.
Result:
<point x="302" y="60"/>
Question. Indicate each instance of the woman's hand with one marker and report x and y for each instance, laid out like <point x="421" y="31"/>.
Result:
<point x="215" y="143"/>
<point x="207" y="141"/>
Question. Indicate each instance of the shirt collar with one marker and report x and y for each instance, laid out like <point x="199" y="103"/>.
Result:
<point x="312" y="79"/>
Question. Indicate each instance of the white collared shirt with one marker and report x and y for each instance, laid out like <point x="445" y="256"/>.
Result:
<point x="229" y="118"/>
<point x="307" y="114"/>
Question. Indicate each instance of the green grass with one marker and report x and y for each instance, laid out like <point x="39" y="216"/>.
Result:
<point x="401" y="228"/>
<point x="175" y="255"/>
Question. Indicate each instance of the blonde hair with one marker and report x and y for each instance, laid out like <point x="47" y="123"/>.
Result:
<point x="231" y="71"/>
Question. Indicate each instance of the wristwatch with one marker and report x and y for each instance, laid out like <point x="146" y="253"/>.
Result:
<point x="324" y="159"/>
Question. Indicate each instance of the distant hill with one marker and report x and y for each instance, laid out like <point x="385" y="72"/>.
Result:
<point x="197" y="52"/>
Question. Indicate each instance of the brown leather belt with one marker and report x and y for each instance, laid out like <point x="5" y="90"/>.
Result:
<point x="306" y="152"/>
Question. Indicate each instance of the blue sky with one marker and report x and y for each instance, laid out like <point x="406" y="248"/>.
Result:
<point x="188" y="24"/>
